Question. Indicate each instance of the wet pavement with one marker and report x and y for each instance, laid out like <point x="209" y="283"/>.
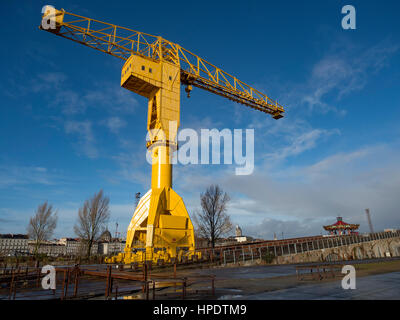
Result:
<point x="374" y="287"/>
<point x="263" y="282"/>
<point x="271" y="271"/>
<point x="254" y="272"/>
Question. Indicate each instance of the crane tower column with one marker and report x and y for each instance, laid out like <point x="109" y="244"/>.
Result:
<point x="160" y="223"/>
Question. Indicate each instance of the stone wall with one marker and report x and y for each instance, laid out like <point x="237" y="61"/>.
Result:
<point x="365" y="250"/>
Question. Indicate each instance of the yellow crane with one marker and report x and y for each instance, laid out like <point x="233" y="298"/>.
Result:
<point x="155" y="68"/>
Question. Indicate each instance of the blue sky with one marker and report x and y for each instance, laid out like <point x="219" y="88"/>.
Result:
<point x="67" y="129"/>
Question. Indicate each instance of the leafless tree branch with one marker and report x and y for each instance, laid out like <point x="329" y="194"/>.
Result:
<point x="212" y="222"/>
<point x="92" y="218"/>
<point x="41" y="226"/>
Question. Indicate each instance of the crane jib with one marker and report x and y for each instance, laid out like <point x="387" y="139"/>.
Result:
<point x="123" y="42"/>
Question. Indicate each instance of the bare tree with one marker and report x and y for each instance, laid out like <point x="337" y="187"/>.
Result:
<point x="213" y="222"/>
<point x="41" y="226"/>
<point x="91" y="219"/>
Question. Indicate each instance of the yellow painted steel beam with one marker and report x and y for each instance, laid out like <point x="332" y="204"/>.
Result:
<point x="122" y="42"/>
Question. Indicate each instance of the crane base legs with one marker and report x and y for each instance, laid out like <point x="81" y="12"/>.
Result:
<point x="160" y="231"/>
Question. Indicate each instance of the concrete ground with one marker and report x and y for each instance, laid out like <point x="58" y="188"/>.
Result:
<point x="376" y="280"/>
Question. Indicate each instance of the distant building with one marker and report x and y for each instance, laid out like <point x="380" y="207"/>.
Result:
<point x="113" y="247"/>
<point x="238" y="231"/>
<point x="82" y="248"/>
<point x="240" y="237"/>
<point x="341" y="228"/>
<point x="63" y="247"/>
<point x="50" y="248"/>
<point x="109" y="245"/>
<point x="72" y="246"/>
<point x="20" y="244"/>
<point x="106" y="236"/>
<point x="243" y="239"/>
<point x="13" y="244"/>
<point x="201" y="242"/>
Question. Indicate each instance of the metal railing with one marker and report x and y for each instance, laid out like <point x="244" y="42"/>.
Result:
<point x="260" y="250"/>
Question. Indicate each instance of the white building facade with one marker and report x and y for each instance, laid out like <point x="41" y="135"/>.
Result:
<point x="13" y="244"/>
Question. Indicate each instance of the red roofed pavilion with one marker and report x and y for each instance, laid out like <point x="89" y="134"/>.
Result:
<point x="340" y="227"/>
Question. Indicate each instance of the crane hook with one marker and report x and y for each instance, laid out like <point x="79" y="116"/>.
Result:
<point x="188" y="89"/>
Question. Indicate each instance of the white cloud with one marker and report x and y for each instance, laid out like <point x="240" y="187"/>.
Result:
<point x="48" y="81"/>
<point x="338" y="74"/>
<point x="12" y="175"/>
<point x="114" y="124"/>
<point x="86" y="140"/>
<point x="268" y="227"/>
<point x="300" y="144"/>
<point x="57" y="90"/>
<point x="300" y="199"/>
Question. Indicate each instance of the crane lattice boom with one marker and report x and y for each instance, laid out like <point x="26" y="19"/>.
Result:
<point x="123" y="42"/>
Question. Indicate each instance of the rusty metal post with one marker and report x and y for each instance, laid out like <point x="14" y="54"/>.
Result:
<point x="183" y="288"/>
<point x="76" y="281"/>
<point x="149" y="268"/>
<point x="67" y="284"/>
<point x="111" y="285"/>
<point x="11" y="285"/>
<point x="63" y="285"/>
<point x="154" y="290"/>
<point x="175" y="276"/>
<point x="147" y="290"/>
<point x="38" y="277"/>
<point x="15" y="291"/>
<point x="108" y="274"/>
<point x="319" y="273"/>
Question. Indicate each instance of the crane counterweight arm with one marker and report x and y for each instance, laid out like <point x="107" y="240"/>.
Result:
<point x="122" y="42"/>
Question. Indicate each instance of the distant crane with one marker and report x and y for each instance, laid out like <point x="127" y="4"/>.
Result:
<point x="155" y="68"/>
<point x="137" y="199"/>
<point x="371" y="229"/>
<point x="117" y="234"/>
